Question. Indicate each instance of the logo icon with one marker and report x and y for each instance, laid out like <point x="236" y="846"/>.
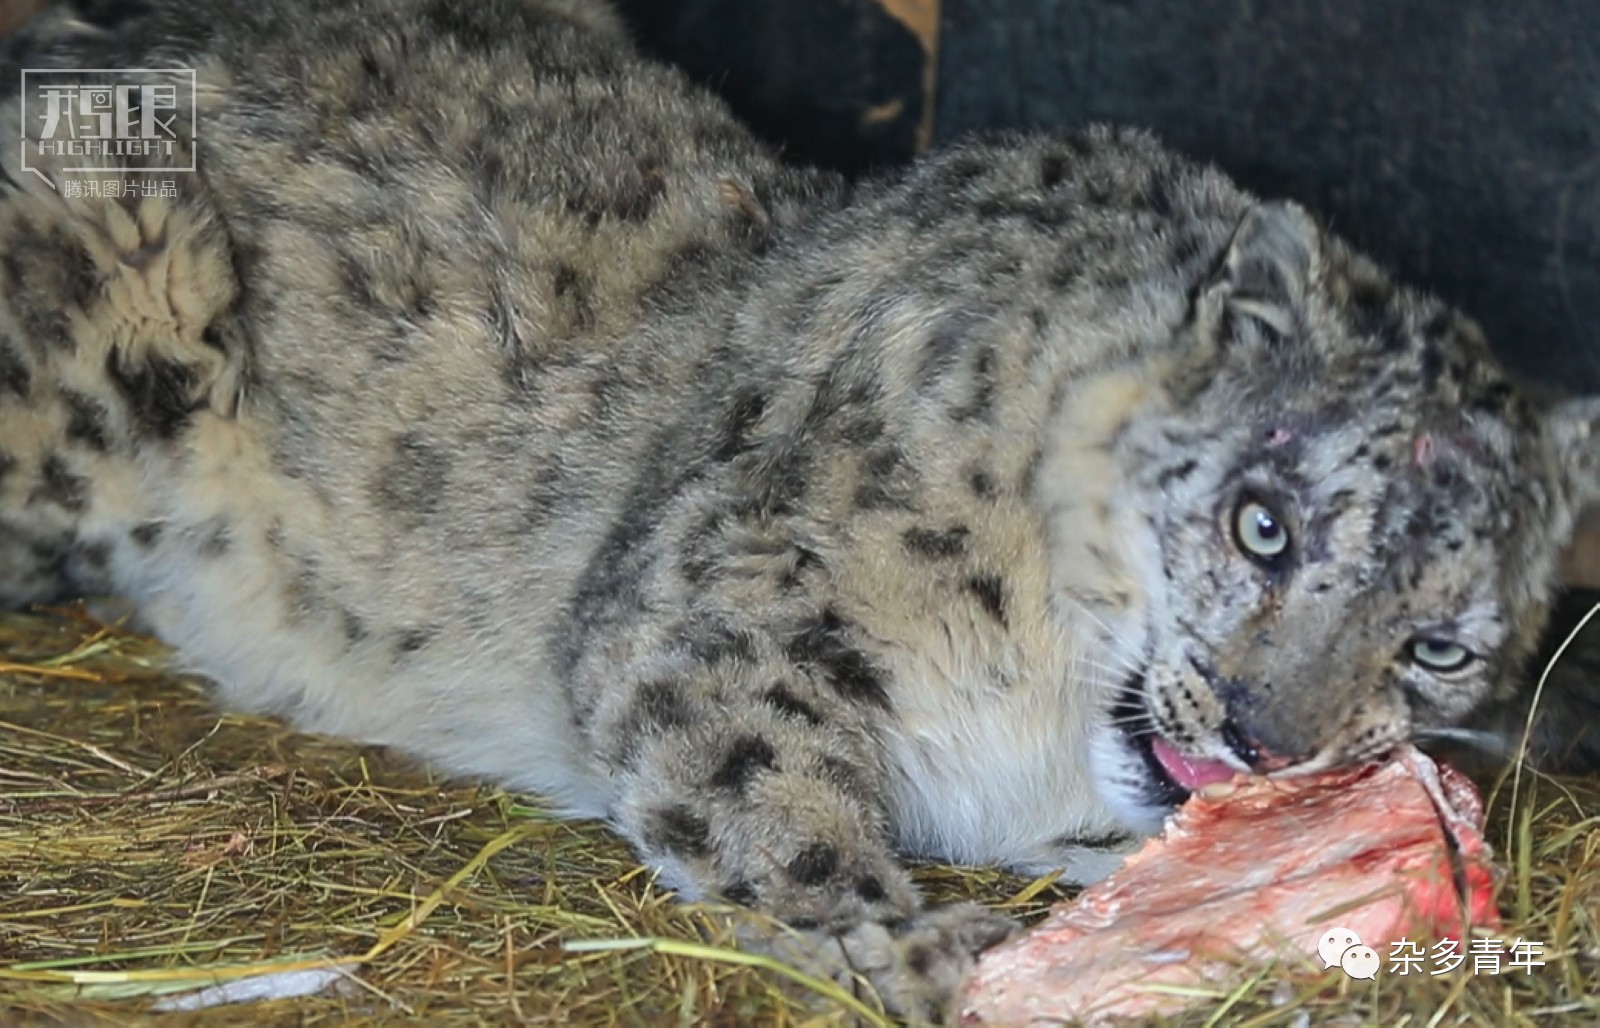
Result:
<point x="1360" y="962"/>
<point x="1333" y="943"/>
<point x="1342" y="948"/>
<point x="100" y="119"/>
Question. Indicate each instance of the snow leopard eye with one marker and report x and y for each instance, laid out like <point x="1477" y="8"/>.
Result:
<point x="1440" y="656"/>
<point x="1259" y="533"/>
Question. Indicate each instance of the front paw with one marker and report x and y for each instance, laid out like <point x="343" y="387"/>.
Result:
<point x="917" y="965"/>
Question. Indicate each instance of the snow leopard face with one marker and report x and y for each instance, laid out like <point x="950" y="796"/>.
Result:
<point x="1347" y="519"/>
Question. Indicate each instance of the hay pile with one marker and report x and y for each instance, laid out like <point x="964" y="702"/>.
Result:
<point x="150" y="847"/>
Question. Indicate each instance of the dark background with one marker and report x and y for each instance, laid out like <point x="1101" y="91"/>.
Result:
<point x="1456" y="140"/>
<point x="836" y="82"/>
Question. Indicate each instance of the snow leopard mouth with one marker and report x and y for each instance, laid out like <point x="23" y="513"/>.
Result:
<point x="1172" y="776"/>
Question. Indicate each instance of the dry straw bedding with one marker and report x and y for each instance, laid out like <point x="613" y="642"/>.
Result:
<point x="150" y="845"/>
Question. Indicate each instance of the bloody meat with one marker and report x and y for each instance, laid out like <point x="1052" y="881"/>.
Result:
<point x="1253" y="870"/>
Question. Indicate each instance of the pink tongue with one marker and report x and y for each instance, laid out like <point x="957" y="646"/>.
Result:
<point x="1190" y="772"/>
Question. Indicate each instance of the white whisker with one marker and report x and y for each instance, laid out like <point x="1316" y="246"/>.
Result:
<point x="1488" y="742"/>
<point x="1140" y="719"/>
<point x="1106" y="669"/>
<point x="1122" y="649"/>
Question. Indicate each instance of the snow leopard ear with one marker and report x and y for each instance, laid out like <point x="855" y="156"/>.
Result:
<point x="1269" y="263"/>
<point x="1574" y="429"/>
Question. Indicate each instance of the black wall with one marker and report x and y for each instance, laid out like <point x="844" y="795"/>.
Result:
<point x="833" y="82"/>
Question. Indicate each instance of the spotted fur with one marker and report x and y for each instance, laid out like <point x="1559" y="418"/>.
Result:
<point x="489" y="393"/>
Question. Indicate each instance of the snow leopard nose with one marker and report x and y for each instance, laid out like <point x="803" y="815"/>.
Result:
<point x="1281" y="713"/>
<point x="1266" y="751"/>
<point x="1250" y="749"/>
<point x="1243" y="745"/>
<point x="1247" y="730"/>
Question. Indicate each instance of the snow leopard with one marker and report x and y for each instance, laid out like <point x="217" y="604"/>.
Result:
<point x="485" y="390"/>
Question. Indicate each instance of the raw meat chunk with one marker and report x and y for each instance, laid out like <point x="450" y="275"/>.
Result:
<point x="1253" y="870"/>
